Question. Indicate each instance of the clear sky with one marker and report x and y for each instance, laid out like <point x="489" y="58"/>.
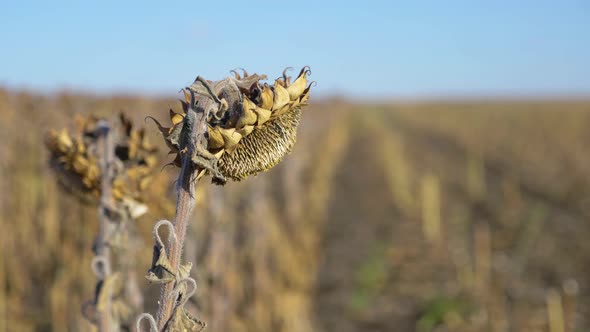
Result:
<point x="360" y="49"/>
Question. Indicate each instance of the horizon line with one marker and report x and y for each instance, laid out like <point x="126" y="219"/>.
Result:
<point x="329" y="96"/>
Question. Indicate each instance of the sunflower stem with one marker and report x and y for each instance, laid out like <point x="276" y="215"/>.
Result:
<point x="193" y="133"/>
<point x="105" y="143"/>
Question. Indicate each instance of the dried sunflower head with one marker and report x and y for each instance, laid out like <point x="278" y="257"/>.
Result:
<point x="77" y="169"/>
<point x="74" y="157"/>
<point x="252" y="128"/>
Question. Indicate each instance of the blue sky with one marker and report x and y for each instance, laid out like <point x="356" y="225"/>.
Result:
<point x="359" y="49"/>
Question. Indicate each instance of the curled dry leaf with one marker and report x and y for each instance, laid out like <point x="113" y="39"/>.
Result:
<point x="121" y="310"/>
<point x="161" y="270"/>
<point x="182" y="320"/>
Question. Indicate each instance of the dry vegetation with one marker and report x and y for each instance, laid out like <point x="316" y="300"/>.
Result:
<point x="406" y="217"/>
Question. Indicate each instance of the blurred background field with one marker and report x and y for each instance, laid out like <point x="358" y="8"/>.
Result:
<point x="433" y="216"/>
<point x="440" y="182"/>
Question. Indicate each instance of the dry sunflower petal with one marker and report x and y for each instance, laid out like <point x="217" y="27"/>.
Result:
<point x="249" y="116"/>
<point x="266" y="97"/>
<point x="281" y="97"/>
<point x="296" y="89"/>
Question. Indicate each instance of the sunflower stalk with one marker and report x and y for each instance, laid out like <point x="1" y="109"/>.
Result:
<point x="105" y="320"/>
<point x="108" y="165"/>
<point x="117" y="295"/>
<point x="193" y="133"/>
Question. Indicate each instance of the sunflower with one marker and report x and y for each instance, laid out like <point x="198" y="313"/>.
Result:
<point x="254" y="127"/>
<point x="74" y="157"/>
